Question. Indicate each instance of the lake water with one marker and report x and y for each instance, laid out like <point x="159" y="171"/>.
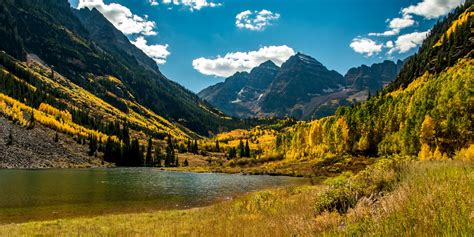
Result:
<point x="27" y="195"/>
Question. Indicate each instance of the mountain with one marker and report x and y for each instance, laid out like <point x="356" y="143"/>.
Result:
<point x="303" y="88"/>
<point x="373" y="78"/>
<point x="84" y="47"/>
<point x="238" y="94"/>
<point x="298" y="80"/>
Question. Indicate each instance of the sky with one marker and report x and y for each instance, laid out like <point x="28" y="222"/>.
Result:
<point x="198" y="43"/>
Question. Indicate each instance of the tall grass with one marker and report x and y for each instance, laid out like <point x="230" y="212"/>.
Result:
<point x="432" y="199"/>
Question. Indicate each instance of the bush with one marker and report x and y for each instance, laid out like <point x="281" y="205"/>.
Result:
<point x="371" y="183"/>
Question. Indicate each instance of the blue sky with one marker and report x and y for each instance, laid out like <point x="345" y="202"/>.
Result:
<point x="335" y="32"/>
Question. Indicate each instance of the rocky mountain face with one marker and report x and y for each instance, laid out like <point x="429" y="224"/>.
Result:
<point x="375" y="77"/>
<point x="84" y="46"/>
<point x="302" y="87"/>
<point x="299" y="80"/>
<point x="238" y="95"/>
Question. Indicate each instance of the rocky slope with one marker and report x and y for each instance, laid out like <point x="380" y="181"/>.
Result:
<point x="36" y="148"/>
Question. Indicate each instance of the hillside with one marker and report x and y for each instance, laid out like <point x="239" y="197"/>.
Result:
<point x="72" y="72"/>
<point x="83" y="47"/>
<point x="302" y="88"/>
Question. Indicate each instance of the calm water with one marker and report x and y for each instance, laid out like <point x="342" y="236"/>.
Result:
<point x="27" y="195"/>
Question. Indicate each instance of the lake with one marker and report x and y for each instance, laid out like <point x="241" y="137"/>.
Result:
<point x="28" y="195"/>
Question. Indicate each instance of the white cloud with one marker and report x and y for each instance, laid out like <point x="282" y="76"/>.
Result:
<point x="153" y="2"/>
<point x="430" y="9"/>
<point x="366" y="46"/>
<point x="389" y="44"/>
<point x="396" y="25"/>
<point x="191" y="4"/>
<point x="405" y="43"/>
<point x="121" y="17"/>
<point x="256" y="20"/>
<point x="401" y="23"/>
<point x="157" y="52"/>
<point x="242" y="61"/>
<point x="386" y="33"/>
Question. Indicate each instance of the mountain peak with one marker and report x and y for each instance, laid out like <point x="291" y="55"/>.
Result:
<point x="304" y="59"/>
<point x="268" y="63"/>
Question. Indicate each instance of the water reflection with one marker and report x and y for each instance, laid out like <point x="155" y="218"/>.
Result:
<point x="47" y="194"/>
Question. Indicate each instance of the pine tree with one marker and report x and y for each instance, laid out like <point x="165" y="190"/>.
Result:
<point x="31" y="123"/>
<point x="232" y="153"/>
<point x="148" y="159"/>
<point x="247" y="149"/>
<point x="92" y="145"/>
<point x="218" y="149"/>
<point x="189" y="146"/>
<point x="56" y="137"/>
<point x="195" y="147"/>
<point x="241" y="149"/>
<point x="170" y="154"/>
<point x="186" y="163"/>
<point x="108" y="156"/>
<point x="158" y="156"/>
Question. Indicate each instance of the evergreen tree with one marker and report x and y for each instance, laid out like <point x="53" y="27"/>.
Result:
<point x="56" y="137"/>
<point x="136" y="154"/>
<point x="218" y="149"/>
<point x="92" y="145"/>
<point x="158" y="156"/>
<point x="31" y="123"/>
<point x="241" y="149"/>
<point x="148" y="159"/>
<point x="186" y="163"/>
<point x="247" y="149"/>
<point x="170" y="154"/>
<point x="189" y="146"/>
<point x="108" y="151"/>
<point x="195" y="147"/>
<point x="232" y="153"/>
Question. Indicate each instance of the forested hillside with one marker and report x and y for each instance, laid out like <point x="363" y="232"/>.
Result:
<point x="427" y="111"/>
<point x="72" y="42"/>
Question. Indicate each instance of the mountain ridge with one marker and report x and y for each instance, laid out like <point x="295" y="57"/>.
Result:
<point x="302" y="87"/>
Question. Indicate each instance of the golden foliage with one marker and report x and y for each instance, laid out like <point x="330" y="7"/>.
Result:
<point x="462" y="19"/>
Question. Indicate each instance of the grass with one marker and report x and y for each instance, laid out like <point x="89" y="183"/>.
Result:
<point x="409" y="198"/>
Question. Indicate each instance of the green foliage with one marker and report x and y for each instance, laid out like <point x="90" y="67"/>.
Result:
<point x="344" y="192"/>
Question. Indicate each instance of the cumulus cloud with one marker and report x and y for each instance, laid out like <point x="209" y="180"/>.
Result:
<point x="406" y="42"/>
<point x="430" y="9"/>
<point x="366" y="46"/>
<point x="153" y="2"/>
<point x="401" y="23"/>
<point x="157" y="52"/>
<point x="121" y="17"/>
<point x="242" y="61"/>
<point x="255" y="20"/>
<point x="396" y="25"/>
<point x="191" y="4"/>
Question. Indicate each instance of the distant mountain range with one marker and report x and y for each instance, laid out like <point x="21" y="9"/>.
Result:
<point x="302" y="87"/>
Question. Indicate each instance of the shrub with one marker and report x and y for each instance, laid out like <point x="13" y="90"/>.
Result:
<point x="344" y="193"/>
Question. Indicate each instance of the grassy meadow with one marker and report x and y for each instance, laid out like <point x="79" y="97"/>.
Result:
<point x="389" y="198"/>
